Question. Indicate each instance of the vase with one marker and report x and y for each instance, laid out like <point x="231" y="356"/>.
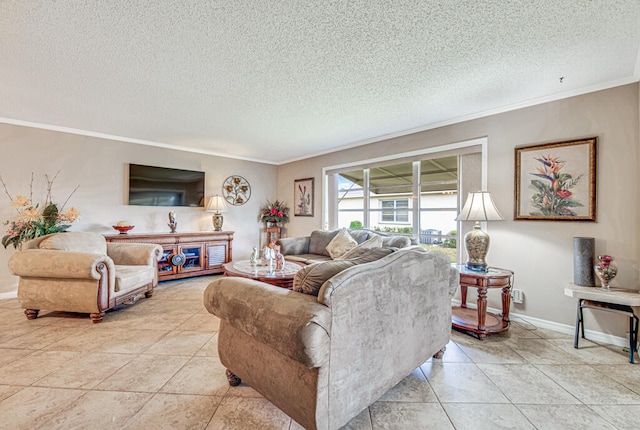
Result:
<point x="606" y="270"/>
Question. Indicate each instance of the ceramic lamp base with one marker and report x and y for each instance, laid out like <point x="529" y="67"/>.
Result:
<point x="218" y="219"/>
<point x="477" y="243"/>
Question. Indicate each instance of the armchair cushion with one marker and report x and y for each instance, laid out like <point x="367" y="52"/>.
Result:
<point x="86" y="242"/>
<point x="130" y="277"/>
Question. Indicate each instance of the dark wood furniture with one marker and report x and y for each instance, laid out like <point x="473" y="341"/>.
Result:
<point x="244" y="269"/>
<point x="186" y="254"/>
<point x="478" y="321"/>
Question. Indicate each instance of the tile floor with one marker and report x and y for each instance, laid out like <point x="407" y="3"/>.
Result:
<point x="154" y="365"/>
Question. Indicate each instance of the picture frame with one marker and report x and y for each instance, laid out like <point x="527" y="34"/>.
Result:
<point x="303" y="197"/>
<point x="556" y="181"/>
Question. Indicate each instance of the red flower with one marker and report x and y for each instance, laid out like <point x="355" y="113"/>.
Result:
<point x="280" y="214"/>
<point x="274" y="211"/>
<point x="564" y="193"/>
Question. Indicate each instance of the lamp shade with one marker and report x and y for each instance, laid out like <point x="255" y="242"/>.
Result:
<point x="479" y="207"/>
<point x="216" y="204"/>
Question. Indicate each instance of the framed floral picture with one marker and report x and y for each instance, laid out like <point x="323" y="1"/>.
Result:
<point x="556" y="181"/>
<point x="303" y="197"/>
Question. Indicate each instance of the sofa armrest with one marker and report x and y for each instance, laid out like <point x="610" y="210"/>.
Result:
<point x="42" y="263"/>
<point x="134" y="254"/>
<point x="294" y="245"/>
<point x="294" y="324"/>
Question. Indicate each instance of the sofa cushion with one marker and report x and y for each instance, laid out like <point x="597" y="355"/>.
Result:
<point x="307" y="258"/>
<point x="374" y="242"/>
<point x="318" y="241"/>
<point x="341" y="243"/>
<point x="361" y="235"/>
<point x="396" y="241"/>
<point x="78" y="241"/>
<point x="131" y="277"/>
<point x="309" y="279"/>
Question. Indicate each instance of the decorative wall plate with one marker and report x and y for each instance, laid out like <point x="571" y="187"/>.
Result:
<point x="236" y="190"/>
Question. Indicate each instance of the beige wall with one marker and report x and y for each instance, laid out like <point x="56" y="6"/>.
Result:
<point x="540" y="253"/>
<point x="98" y="166"/>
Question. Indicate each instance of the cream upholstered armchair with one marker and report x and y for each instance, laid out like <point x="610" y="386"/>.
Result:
<point x="81" y="272"/>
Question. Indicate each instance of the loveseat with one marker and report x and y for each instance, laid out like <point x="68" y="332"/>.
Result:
<point x="323" y="359"/>
<point x="81" y="272"/>
<point x="313" y="248"/>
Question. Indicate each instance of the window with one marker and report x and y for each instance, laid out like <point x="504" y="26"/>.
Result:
<point x="416" y="193"/>
<point x="382" y="198"/>
<point x="395" y="211"/>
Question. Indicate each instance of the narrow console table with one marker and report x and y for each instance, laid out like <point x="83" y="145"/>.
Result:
<point x="479" y="321"/>
<point x="616" y="300"/>
<point x="186" y="254"/>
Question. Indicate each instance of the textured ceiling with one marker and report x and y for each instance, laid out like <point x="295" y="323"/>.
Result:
<point x="282" y="80"/>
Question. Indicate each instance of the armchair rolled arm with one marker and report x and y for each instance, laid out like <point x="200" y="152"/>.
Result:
<point x="44" y="263"/>
<point x="295" y="322"/>
<point x="132" y="254"/>
<point x="294" y="245"/>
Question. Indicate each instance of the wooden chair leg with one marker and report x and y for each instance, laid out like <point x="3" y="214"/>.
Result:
<point x="31" y="313"/>
<point x="97" y="317"/>
<point x="234" y="381"/>
<point x="440" y="353"/>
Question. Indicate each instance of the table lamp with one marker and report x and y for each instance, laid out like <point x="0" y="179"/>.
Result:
<point x="478" y="207"/>
<point x="217" y="204"/>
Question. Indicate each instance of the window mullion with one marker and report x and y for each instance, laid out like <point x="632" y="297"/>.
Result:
<point x="415" y="197"/>
<point x="366" y="204"/>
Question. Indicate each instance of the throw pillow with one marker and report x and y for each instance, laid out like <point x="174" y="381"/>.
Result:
<point x="373" y="243"/>
<point x="310" y="278"/>
<point x="319" y="239"/>
<point x="396" y="241"/>
<point x="340" y="244"/>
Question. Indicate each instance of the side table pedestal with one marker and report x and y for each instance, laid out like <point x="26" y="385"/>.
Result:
<point x="478" y="321"/>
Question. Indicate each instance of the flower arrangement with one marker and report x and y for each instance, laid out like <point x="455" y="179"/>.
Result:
<point x="36" y="220"/>
<point x="606" y="269"/>
<point x="553" y="197"/>
<point x="274" y="212"/>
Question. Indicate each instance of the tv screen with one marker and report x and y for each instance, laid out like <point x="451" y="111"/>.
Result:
<point x="161" y="186"/>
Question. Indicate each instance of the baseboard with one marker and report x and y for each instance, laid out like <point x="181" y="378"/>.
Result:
<point x="11" y="295"/>
<point x="593" y="335"/>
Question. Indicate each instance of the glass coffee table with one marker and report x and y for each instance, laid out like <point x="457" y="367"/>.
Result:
<point x="245" y="269"/>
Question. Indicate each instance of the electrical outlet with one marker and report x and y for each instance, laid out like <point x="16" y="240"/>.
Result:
<point x="517" y="296"/>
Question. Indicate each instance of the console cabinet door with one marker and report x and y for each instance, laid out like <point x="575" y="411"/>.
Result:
<point x="193" y="257"/>
<point x="218" y="253"/>
<point x="164" y="265"/>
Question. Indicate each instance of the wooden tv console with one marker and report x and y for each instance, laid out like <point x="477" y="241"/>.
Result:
<point x="186" y="254"/>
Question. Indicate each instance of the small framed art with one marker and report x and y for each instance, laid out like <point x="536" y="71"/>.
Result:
<point x="303" y="197"/>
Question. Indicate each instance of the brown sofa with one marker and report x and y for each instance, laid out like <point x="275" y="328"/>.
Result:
<point x="81" y="272"/>
<point x="323" y="359"/>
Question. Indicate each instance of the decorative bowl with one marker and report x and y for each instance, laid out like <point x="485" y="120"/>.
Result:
<point x="123" y="229"/>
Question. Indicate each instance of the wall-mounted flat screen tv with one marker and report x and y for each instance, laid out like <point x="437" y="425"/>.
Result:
<point x="161" y="186"/>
